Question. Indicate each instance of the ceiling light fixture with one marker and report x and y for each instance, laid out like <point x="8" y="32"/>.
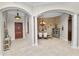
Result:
<point x="42" y="23"/>
<point x="17" y="17"/>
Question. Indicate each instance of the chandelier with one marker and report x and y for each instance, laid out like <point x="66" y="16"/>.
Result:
<point x="42" y="23"/>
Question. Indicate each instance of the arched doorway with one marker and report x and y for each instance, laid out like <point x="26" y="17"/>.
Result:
<point x="8" y="26"/>
<point x="64" y="12"/>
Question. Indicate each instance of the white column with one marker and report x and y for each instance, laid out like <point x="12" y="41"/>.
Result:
<point x="35" y="31"/>
<point x="31" y="29"/>
<point x="1" y="33"/>
<point x="74" y="31"/>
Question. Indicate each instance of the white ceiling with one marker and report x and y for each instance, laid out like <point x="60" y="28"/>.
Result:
<point x="14" y="13"/>
<point x="37" y="3"/>
<point x="45" y="15"/>
<point x="51" y="14"/>
<point x="53" y="3"/>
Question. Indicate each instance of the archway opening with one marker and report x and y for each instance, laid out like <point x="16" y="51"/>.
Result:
<point x="16" y="32"/>
<point x="55" y="24"/>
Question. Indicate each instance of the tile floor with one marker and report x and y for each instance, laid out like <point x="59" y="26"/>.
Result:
<point x="50" y="47"/>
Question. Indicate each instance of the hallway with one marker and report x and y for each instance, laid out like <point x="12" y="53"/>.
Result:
<point x="50" y="47"/>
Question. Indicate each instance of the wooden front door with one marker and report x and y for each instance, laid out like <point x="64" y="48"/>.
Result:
<point x="18" y="30"/>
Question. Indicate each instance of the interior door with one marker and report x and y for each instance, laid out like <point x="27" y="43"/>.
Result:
<point x="70" y="28"/>
<point x="18" y="30"/>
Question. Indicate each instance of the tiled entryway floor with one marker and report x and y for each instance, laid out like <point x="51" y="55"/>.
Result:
<point x="50" y="47"/>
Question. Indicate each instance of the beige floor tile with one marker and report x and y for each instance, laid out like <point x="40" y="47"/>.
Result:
<point x="50" y="47"/>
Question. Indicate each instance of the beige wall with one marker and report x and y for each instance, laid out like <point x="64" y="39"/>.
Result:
<point x="64" y="24"/>
<point x="50" y="23"/>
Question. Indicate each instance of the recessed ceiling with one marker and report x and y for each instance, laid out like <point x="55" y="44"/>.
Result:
<point x="50" y="14"/>
<point x="14" y="12"/>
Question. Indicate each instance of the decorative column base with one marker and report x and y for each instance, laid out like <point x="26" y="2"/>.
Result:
<point x="75" y="47"/>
